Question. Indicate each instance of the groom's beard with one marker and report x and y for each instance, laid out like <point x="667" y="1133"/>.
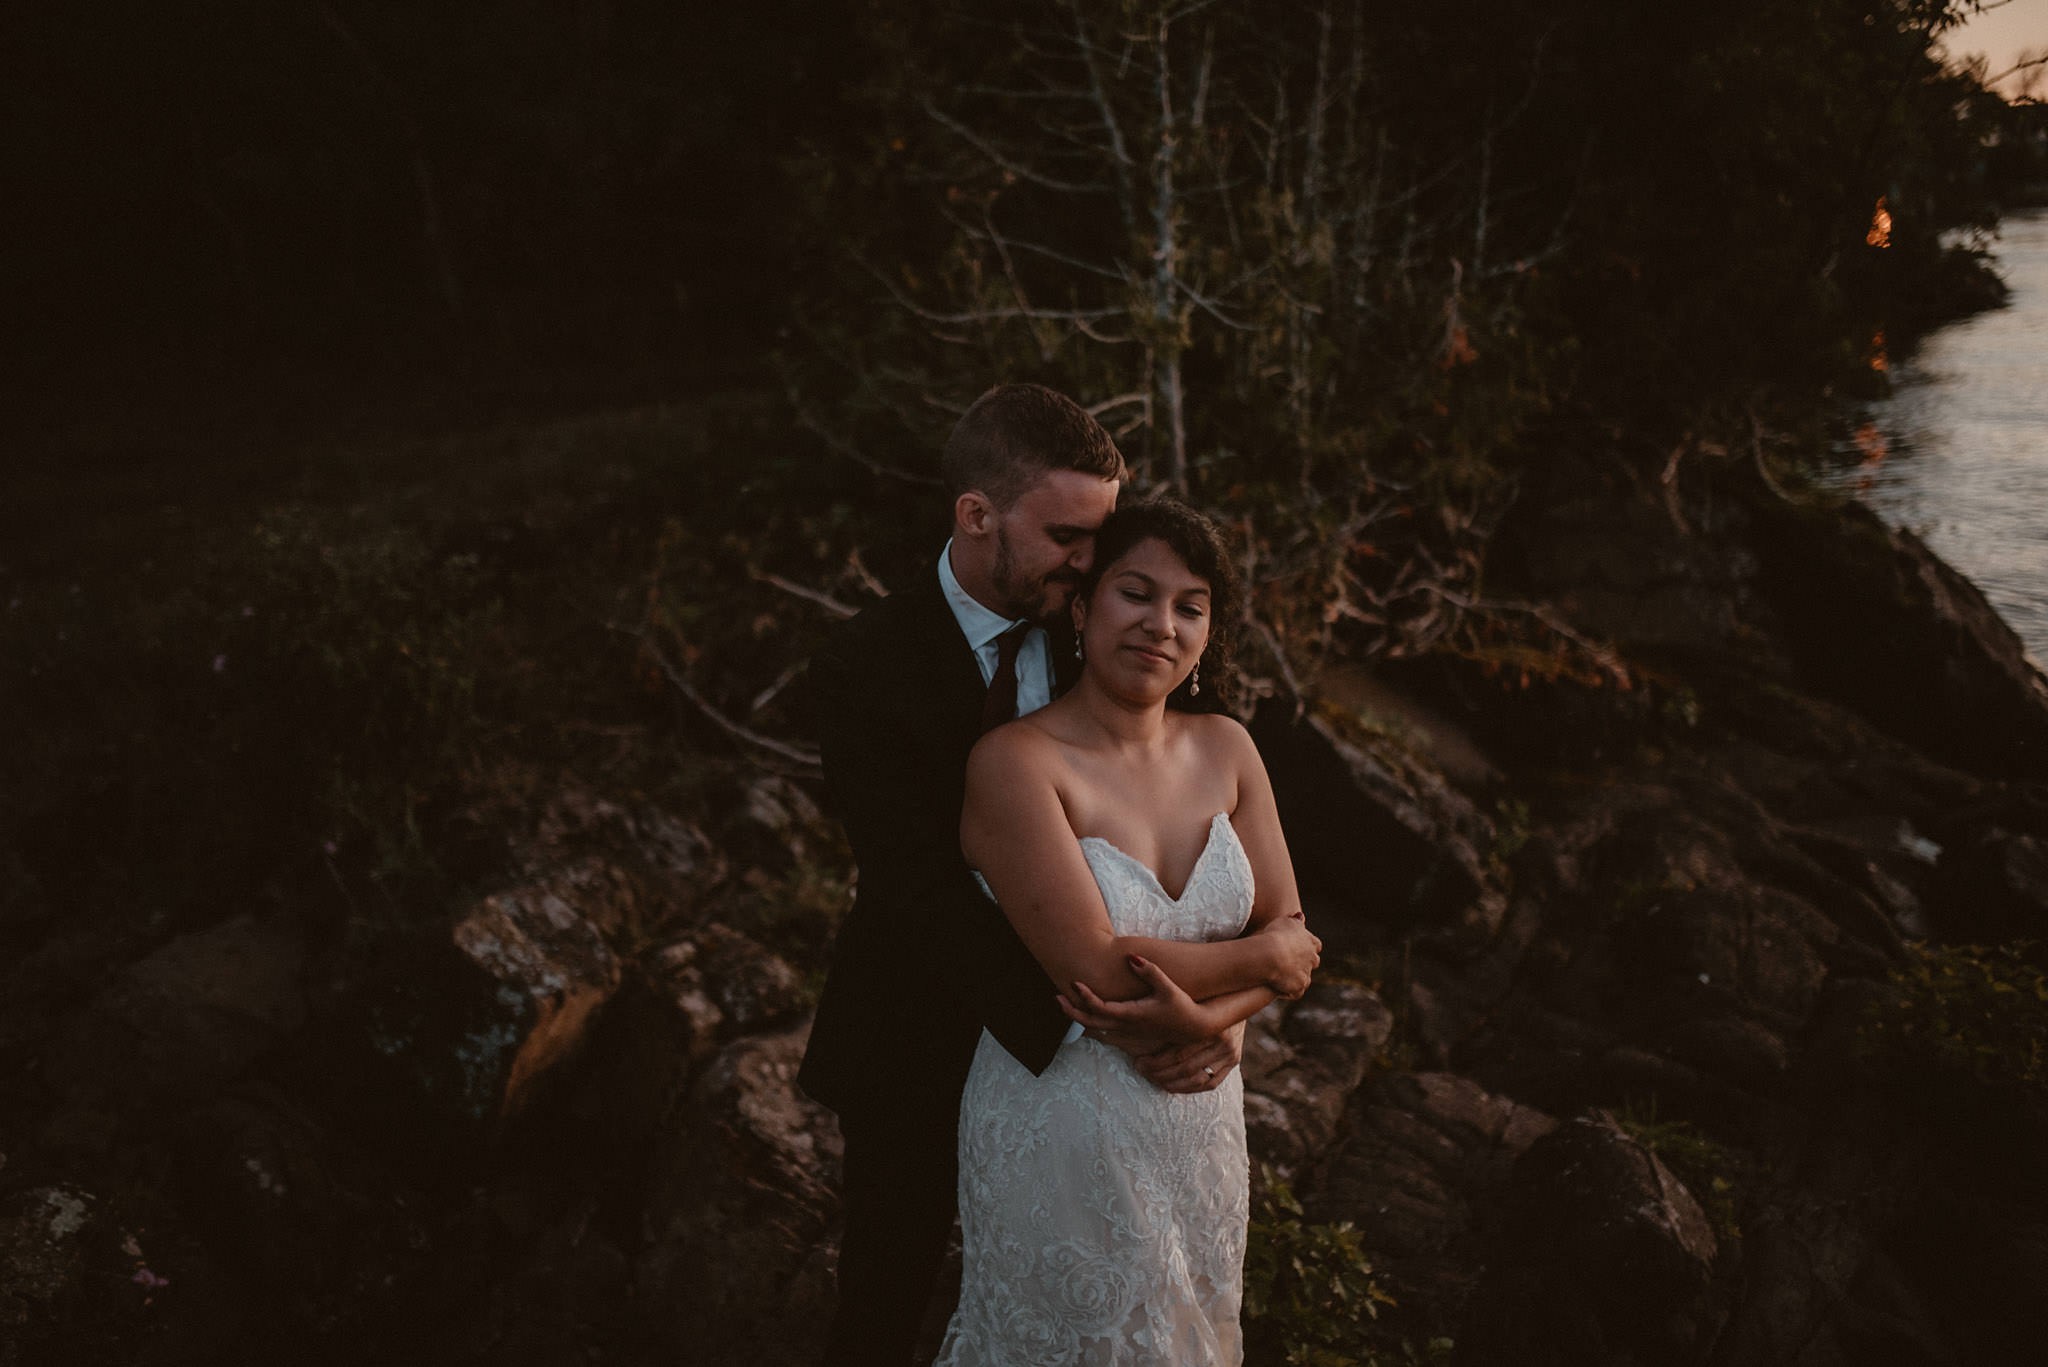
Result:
<point x="1043" y="599"/>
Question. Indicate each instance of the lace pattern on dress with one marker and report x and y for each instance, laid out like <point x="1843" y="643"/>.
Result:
<point x="1103" y="1220"/>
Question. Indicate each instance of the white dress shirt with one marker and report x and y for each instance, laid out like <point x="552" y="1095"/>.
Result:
<point x="981" y="626"/>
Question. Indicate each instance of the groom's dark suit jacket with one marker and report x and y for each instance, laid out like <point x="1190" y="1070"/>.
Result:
<point x="923" y="961"/>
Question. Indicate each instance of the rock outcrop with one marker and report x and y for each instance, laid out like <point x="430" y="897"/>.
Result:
<point x="1589" y="1068"/>
<point x="1299" y="1074"/>
<point x="42" y="1262"/>
<point x="739" y="1221"/>
<point x="1419" y="1170"/>
<point x="1604" y="1256"/>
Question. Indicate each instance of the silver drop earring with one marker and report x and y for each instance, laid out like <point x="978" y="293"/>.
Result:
<point x="1195" y="680"/>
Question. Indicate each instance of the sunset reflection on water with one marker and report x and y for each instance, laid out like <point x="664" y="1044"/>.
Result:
<point x="1959" y="452"/>
<point x="1871" y="441"/>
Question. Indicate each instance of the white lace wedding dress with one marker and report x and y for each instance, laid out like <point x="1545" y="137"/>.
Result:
<point x="1102" y="1220"/>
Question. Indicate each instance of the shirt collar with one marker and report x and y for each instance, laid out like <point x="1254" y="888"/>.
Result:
<point x="978" y="624"/>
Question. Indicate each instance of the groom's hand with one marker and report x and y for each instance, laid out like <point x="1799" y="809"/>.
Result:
<point x="1198" y="1067"/>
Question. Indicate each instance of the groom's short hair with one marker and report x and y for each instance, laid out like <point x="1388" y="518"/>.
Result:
<point x="1010" y="437"/>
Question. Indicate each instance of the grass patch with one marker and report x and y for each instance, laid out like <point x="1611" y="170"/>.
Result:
<point x="261" y="688"/>
<point x="1711" y="1171"/>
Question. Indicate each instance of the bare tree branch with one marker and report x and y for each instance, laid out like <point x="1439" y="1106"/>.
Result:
<point x="1120" y="157"/>
<point x="823" y="600"/>
<point x="858" y="568"/>
<point x="1210" y="307"/>
<point x="2028" y="61"/>
<point x="1075" y="316"/>
<point x="1019" y="169"/>
<point x="987" y="231"/>
<point x="806" y="420"/>
<point x="1096" y="410"/>
<point x="1165" y="268"/>
<point x="774" y="690"/>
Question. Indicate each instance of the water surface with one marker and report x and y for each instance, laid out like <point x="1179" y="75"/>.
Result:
<point x="1959" y="452"/>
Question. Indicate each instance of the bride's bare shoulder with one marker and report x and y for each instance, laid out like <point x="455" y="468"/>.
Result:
<point x="1015" y="747"/>
<point x="1222" y="745"/>
<point x="1217" y="734"/>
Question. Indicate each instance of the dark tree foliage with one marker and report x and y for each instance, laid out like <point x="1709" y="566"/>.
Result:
<point x="1736" y="158"/>
<point x="1637" y="201"/>
<point x="1693" y="185"/>
<point x="1327" y="265"/>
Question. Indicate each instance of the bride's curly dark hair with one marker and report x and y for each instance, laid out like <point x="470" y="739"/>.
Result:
<point x="1199" y="543"/>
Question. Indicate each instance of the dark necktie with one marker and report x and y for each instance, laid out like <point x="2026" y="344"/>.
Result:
<point x="1001" y="704"/>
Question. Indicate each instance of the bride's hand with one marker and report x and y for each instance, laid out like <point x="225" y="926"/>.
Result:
<point x="1164" y="1011"/>
<point x="1299" y="954"/>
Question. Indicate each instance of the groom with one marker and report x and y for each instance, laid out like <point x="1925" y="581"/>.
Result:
<point x="924" y="961"/>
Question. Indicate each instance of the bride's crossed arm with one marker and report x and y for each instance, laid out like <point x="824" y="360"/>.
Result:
<point x="1014" y="828"/>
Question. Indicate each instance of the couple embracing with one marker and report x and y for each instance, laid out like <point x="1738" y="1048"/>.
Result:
<point x="1073" y="892"/>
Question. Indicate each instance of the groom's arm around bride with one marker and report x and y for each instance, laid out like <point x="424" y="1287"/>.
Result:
<point x="923" y="961"/>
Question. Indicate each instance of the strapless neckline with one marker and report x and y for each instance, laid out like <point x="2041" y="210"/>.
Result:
<point x="1194" y="874"/>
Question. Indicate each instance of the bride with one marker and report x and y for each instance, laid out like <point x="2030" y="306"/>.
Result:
<point x="1136" y="848"/>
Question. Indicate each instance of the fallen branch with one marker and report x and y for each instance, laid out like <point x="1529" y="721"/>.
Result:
<point x="794" y="753"/>
<point x="1602" y="655"/>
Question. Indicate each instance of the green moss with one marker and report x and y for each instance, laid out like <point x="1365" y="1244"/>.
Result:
<point x="1965" y="1011"/>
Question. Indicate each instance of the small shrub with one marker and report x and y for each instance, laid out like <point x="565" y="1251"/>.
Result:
<point x="1966" y="1011"/>
<point x="1310" y="1299"/>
